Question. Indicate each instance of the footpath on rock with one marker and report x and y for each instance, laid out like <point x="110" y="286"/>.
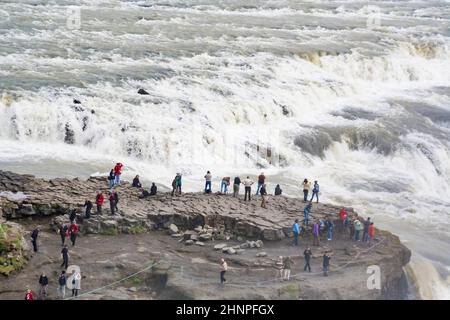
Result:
<point x="174" y="244"/>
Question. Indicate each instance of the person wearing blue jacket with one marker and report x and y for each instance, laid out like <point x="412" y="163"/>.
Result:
<point x="295" y="231"/>
<point x="330" y="227"/>
<point x="315" y="191"/>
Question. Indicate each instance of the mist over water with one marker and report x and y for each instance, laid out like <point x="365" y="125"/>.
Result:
<point x="327" y="90"/>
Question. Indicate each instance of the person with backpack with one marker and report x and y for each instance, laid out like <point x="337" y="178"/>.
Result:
<point x="261" y="180"/>
<point x="315" y="191"/>
<point x="117" y="173"/>
<point x="225" y="184"/>
<point x="73" y="231"/>
<point x="326" y="264"/>
<point x="330" y="226"/>
<point x="65" y="257"/>
<point x="63" y="233"/>
<point x="307" y="254"/>
<point x="248" y="188"/>
<point x="29" y="295"/>
<point x="99" y="199"/>
<point x="236" y="186"/>
<point x="178" y="182"/>
<point x="34" y="237"/>
<point x="111" y="179"/>
<point x="62" y="282"/>
<point x="365" y="236"/>
<point x="306" y="212"/>
<point x="208" y="179"/>
<point x="358" y="227"/>
<point x="306" y="187"/>
<point x="295" y="232"/>
<point x="263" y="193"/>
<point x="43" y="282"/>
<point x="315" y="231"/>
<point x="287" y="263"/>
<point x="88" y="205"/>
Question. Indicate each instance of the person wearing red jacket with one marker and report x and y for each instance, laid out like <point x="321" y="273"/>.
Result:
<point x="29" y="295"/>
<point x="73" y="230"/>
<point x="117" y="173"/>
<point x="99" y="199"/>
<point x="371" y="232"/>
<point x="343" y="217"/>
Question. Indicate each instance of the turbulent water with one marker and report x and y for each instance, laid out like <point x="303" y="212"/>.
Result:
<point x="353" y="93"/>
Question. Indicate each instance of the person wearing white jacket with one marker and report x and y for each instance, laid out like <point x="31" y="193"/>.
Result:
<point x="248" y="188"/>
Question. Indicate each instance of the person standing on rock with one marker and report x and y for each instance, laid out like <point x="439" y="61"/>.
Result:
<point x="352" y="229"/>
<point x="248" y="188"/>
<point x="263" y="193"/>
<point x="315" y="230"/>
<point x="63" y="233"/>
<point x="358" y="227"/>
<point x="224" y="185"/>
<point x="88" y="205"/>
<point x="307" y="254"/>
<point x="73" y="216"/>
<point x="306" y="187"/>
<point x="62" y="281"/>
<point x="306" y="212"/>
<point x="261" y="180"/>
<point x="34" y="237"/>
<point x="371" y="233"/>
<point x="153" y="189"/>
<point x="236" y="186"/>
<point x="326" y="264"/>
<point x="76" y="282"/>
<point x="43" y="282"/>
<point x="117" y="173"/>
<point x="99" y="199"/>
<point x="136" y="183"/>
<point x="65" y="257"/>
<point x="111" y="179"/>
<point x="278" y="190"/>
<point x="315" y="191"/>
<point x="29" y="295"/>
<point x="223" y="270"/>
<point x="174" y="185"/>
<point x="116" y="199"/>
<point x="296" y="232"/>
<point x="112" y="203"/>
<point x="73" y="230"/>
<point x="208" y="178"/>
<point x="365" y="237"/>
<point x="330" y="228"/>
<point x="279" y="264"/>
<point x="343" y="218"/>
<point x="287" y="263"/>
<point x="178" y="182"/>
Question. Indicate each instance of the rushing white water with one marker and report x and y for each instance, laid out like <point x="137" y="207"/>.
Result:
<point x="353" y="93"/>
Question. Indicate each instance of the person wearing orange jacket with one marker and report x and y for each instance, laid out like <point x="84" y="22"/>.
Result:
<point x="371" y="232"/>
<point x="117" y="173"/>
<point x="99" y="199"/>
<point x="73" y="230"/>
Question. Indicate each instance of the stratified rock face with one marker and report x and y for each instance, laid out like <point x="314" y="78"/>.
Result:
<point x="200" y="221"/>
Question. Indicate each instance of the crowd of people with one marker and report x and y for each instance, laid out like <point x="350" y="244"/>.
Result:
<point x="283" y="265"/>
